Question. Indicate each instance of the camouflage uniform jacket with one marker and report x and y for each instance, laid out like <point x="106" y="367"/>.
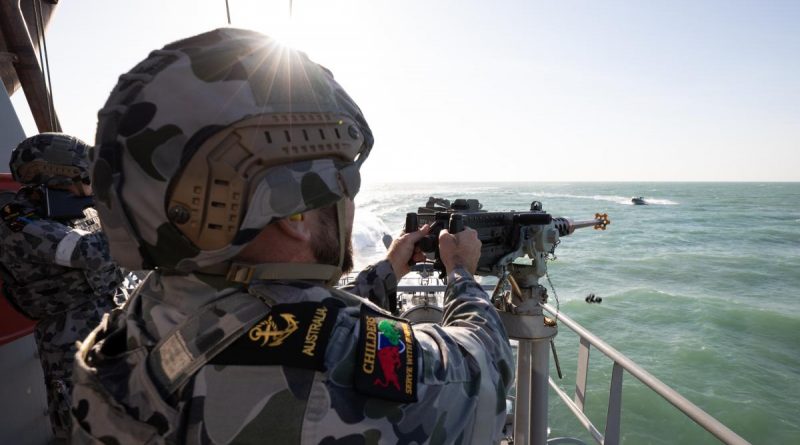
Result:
<point x="378" y="284"/>
<point x="62" y="276"/>
<point x="458" y="373"/>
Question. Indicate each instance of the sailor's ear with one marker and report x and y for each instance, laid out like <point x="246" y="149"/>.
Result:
<point x="295" y="227"/>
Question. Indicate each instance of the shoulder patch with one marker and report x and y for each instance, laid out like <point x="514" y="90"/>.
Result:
<point x="293" y="335"/>
<point x="16" y="217"/>
<point x="386" y="365"/>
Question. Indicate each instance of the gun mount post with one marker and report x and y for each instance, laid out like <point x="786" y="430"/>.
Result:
<point x="528" y="325"/>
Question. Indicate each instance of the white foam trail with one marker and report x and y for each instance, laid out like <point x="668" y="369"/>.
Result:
<point x="624" y="200"/>
<point x="368" y="233"/>
<point x="665" y="202"/>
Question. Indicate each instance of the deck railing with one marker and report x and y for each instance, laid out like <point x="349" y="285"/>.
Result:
<point x="611" y="436"/>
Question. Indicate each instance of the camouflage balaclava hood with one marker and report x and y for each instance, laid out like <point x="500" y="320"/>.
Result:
<point x="50" y="159"/>
<point x="213" y="137"/>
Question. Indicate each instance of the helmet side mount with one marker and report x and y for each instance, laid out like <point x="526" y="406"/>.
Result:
<point x="208" y="200"/>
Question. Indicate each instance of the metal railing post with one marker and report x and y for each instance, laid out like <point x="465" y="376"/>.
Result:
<point x="582" y="374"/>
<point x="612" y="433"/>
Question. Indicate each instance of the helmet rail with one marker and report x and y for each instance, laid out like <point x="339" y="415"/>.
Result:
<point x="50" y="159"/>
<point x="210" y="196"/>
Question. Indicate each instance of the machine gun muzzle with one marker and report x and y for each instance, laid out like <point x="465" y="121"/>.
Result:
<point x="566" y="226"/>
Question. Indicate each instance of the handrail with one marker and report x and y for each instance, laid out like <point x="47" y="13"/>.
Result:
<point x="621" y="362"/>
<point x="577" y="411"/>
<point x="702" y="418"/>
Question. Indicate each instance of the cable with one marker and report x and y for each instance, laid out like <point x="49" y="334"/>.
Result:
<point x="228" y="10"/>
<point x="558" y="303"/>
<point x="44" y="60"/>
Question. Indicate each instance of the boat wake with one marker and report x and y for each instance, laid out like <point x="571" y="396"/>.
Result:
<point x="369" y="232"/>
<point x="653" y="201"/>
<point x="623" y="200"/>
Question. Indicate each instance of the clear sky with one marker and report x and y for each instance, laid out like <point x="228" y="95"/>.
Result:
<point x="465" y="90"/>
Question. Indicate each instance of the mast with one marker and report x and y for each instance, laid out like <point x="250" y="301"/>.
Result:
<point x="19" y="63"/>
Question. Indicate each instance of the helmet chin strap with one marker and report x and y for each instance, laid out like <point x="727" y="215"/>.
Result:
<point x="244" y="273"/>
<point x="341" y="217"/>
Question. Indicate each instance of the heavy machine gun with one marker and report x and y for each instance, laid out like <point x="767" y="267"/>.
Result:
<point x="505" y="236"/>
<point x="515" y="248"/>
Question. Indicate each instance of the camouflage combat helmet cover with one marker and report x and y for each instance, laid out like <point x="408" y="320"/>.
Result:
<point x="50" y="159"/>
<point x="213" y="137"/>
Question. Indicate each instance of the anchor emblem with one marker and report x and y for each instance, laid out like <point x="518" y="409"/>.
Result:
<point x="270" y="334"/>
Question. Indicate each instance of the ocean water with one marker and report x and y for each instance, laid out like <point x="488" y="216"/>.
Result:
<point x="701" y="288"/>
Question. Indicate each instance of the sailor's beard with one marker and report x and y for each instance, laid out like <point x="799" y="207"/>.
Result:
<point x="325" y="242"/>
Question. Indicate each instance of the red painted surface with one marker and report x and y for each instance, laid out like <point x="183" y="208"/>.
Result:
<point x="13" y="325"/>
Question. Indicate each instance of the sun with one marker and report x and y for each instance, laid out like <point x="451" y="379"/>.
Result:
<point x="277" y="19"/>
<point x="317" y="27"/>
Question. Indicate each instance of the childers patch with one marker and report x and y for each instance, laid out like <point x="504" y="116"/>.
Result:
<point x="387" y="357"/>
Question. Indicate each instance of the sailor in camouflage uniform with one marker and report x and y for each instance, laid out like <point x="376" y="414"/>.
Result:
<point x="228" y="163"/>
<point x="56" y="268"/>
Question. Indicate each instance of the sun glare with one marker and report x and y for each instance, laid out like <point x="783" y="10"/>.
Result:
<point x="312" y="26"/>
<point x="284" y="32"/>
<point x="275" y="19"/>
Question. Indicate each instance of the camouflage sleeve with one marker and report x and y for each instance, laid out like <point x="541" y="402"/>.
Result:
<point x="49" y="241"/>
<point x="468" y="357"/>
<point x="378" y="284"/>
<point x="101" y="272"/>
<point x="39" y="239"/>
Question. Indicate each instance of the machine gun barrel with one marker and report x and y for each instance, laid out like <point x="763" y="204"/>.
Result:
<point x="566" y="226"/>
<point x="582" y="224"/>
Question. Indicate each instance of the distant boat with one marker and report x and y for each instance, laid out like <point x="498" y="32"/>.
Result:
<point x="639" y="201"/>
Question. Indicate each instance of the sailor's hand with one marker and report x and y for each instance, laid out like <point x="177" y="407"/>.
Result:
<point x="403" y="250"/>
<point x="462" y="249"/>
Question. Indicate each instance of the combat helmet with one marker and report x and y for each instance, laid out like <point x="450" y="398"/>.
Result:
<point x="50" y="159"/>
<point x="213" y="137"/>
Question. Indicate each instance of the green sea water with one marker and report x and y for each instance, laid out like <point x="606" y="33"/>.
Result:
<point x="700" y="287"/>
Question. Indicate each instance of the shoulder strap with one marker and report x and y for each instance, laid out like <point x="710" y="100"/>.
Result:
<point x="346" y="297"/>
<point x="175" y="359"/>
